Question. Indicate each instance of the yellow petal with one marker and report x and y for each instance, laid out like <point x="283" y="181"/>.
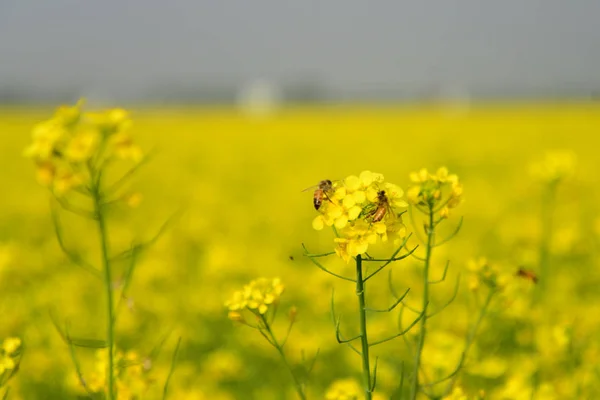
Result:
<point x="357" y="247"/>
<point x="352" y="183"/>
<point x="341" y="222"/>
<point x="393" y="191"/>
<point x="359" y="196"/>
<point x="335" y="211"/>
<point x="340" y="193"/>
<point x="379" y="228"/>
<point x="348" y="202"/>
<point x="442" y="174"/>
<point x="377" y="177"/>
<point x="413" y="194"/>
<point x="366" y="178"/>
<point x="372" y="194"/>
<point x="400" y="204"/>
<point x="354" y="212"/>
<point x="318" y="223"/>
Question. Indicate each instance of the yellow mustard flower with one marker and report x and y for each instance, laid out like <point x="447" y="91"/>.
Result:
<point x="11" y="345"/>
<point x="124" y="147"/>
<point x="256" y="296"/>
<point x="555" y="166"/>
<point x="441" y="188"/>
<point x="47" y="136"/>
<point x="63" y="145"/>
<point x="66" y="179"/>
<point x="344" y="389"/>
<point x="131" y="373"/>
<point x="111" y="121"/>
<point x="363" y="209"/>
<point x="456" y="394"/>
<point x="82" y="146"/>
<point x="6" y="363"/>
<point x="483" y="272"/>
<point x="69" y="116"/>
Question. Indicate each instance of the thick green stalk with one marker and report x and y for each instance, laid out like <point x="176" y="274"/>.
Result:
<point x="103" y="234"/>
<point x="279" y="348"/>
<point x="423" y="324"/>
<point x="360" y="292"/>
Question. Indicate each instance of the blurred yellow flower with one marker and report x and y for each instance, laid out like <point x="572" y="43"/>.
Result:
<point x="554" y="166"/>
<point x="111" y="121"/>
<point x="344" y="389"/>
<point x="457" y="394"/>
<point x="132" y="380"/>
<point x="435" y="189"/>
<point x="11" y="345"/>
<point x="124" y="147"/>
<point x="257" y="296"/>
<point x="82" y="146"/>
<point x="63" y="145"/>
<point x="46" y="137"/>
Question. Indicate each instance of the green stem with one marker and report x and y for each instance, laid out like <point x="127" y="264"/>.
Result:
<point x="471" y="337"/>
<point x="103" y="234"/>
<point x="279" y="348"/>
<point x="423" y="325"/>
<point x="360" y="292"/>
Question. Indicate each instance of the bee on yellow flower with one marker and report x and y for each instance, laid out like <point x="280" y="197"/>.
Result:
<point x="363" y="209"/>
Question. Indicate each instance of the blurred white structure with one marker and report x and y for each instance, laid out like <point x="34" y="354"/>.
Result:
<point x="259" y="97"/>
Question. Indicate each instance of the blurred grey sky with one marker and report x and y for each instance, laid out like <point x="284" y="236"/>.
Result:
<point x="126" y="47"/>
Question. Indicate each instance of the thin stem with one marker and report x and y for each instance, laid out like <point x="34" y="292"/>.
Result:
<point x="275" y="343"/>
<point x="471" y="337"/>
<point x="172" y="369"/>
<point x="103" y="234"/>
<point x="360" y="292"/>
<point x="423" y="325"/>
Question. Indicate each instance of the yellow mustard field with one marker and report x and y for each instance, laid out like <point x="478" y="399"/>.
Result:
<point x="230" y="186"/>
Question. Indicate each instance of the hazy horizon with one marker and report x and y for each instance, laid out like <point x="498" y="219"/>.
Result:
<point x="348" y="48"/>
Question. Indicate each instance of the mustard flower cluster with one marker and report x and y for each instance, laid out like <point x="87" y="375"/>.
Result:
<point x="9" y="356"/>
<point x="459" y="394"/>
<point x="362" y="209"/>
<point x="441" y="189"/>
<point x="131" y="372"/>
<point x="349" y="389"/>
<point x="555" y="166"/>
<point x="482" y="272"/>
<point x="257" y="297"/>
<point x="344" y="389"/>
<point x="66" y="146"/>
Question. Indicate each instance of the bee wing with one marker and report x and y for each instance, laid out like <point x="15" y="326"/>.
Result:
<point x="317" y="186"/>
<point x="310" y="187"/>
<point x="390" y="211"/>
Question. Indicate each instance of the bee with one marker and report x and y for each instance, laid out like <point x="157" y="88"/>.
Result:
<point x="321" y="192"/>
<point x="527" y="274"/>
<point x="383" y="206"/>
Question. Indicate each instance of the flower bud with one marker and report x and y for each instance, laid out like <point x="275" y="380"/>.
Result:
<point x="293" y="314"/>
<point x="236" y="316"/>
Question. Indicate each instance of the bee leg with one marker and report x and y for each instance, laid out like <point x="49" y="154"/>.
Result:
<point x="327" y="197"/>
